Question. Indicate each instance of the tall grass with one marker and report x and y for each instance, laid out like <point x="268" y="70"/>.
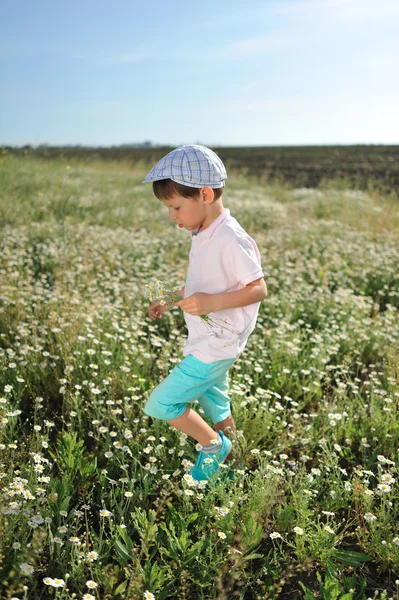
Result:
<point x="94" y="503"/>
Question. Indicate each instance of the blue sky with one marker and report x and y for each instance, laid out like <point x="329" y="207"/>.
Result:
<point x="216" y="72"/>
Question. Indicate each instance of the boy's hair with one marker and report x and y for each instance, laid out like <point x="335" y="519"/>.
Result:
<point x="165" y="189"/>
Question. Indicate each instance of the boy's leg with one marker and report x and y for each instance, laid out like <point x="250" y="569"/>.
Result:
<point x="194" y="425"/>
<point x="229" y="428"/>
<point x="216" y="403"/>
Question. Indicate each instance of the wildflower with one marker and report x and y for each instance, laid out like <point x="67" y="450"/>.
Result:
<point x="337" y="447"/>
<point x="222" y="535"/>
<point x="58" y="540"/>
<point x="105" y="513"/>
<point x="91" y="584"/>
<point x="48" y="581"/>
<point x="128" y="494"/>
<point x="381" y="458"/>
<point x="387" y="478"/>
<point x="88" y="597"/>
<point x="328" y="528"/>
<point x="58" y="583"/>
<point x="255" y="451"/>
<point x="189" y="492"/>
<point x="384" y="487"/>
<point x="75" y="540"/>
<point x="396" y="540"/>
<point x="223" y="511"/>
<point x="92" y="555"/>
<point x="16" y="546"/>
<point x="189" y="478"/>
<point x="148" y="595"/>
<point x="298" y="530"/>
<point x="370" y="517"/>
<point x="274" y="535"/>
<point x="26" y="568"/>
<point x="108" y="454"/>
<point x="38" y="519"/>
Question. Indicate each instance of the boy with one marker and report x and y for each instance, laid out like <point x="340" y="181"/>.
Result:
<point x="224" y="277"/>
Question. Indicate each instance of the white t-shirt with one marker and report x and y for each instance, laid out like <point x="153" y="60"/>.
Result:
<point x="223" y="258"/>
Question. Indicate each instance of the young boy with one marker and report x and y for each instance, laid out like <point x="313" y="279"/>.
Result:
<point x="225" y="278"/>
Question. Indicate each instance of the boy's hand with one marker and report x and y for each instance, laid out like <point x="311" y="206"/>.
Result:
<point x="198" y="304"/>
<point x="155" y="310"/>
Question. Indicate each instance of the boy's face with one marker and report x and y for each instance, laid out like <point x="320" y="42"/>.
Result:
<point x="189" y="213"/>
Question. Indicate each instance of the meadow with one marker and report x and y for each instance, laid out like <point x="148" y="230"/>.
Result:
<point x="94" y="503"/>
<point x="359" y="166"/>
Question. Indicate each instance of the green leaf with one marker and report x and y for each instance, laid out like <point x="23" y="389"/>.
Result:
<point x="331" y="569"/>
<point x="252" y="556"/>
<point x="122" y="551"/>
<point x="121" y="588"/>
<point x="124" y="535"/>
<point x="350" y="557"/>
<point x="308" y="593"/>
<point x="191" y="518"/>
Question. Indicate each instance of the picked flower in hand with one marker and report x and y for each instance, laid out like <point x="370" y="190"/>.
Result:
<point x="160" y="291"/>
<point x="169" y="296"/>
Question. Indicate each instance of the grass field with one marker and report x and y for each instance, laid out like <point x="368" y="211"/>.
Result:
<point x="93" y="500"/>
<point x="359" y="166"/>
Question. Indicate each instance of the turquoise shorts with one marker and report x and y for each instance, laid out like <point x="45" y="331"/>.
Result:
<point x="193" y="380"/>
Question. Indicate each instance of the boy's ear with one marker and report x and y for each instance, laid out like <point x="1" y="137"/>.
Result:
<point x="207" y="194"/>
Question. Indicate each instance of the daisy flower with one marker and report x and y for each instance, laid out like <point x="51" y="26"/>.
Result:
<point x="370" y="516"/>
<point x="26" y="568"/>
<point x="328" y="528"/>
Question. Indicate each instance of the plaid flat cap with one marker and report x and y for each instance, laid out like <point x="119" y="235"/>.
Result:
<point x="192" y="165"/>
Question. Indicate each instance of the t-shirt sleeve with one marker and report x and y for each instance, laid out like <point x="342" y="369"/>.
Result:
<point x="244" y="260"/>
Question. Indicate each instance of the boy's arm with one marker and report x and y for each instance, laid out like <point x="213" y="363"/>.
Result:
<point x="253" y="292"/>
